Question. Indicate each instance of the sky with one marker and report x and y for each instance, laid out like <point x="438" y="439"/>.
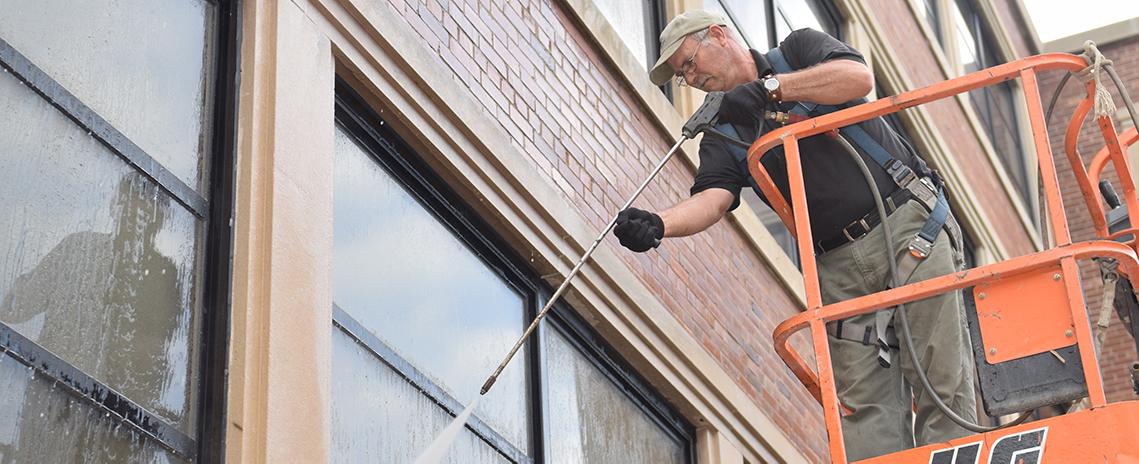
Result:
<point x="1055" y="19"/>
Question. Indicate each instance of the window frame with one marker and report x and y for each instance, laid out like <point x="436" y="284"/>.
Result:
<point x="215" y="268"/>
<point x="387" y="148"/>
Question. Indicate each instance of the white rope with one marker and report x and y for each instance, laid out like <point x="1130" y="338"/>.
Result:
<point x="1104" y="106"/>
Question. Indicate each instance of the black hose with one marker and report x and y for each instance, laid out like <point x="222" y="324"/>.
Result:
<point x="1056" y="96"/>
<point x="1123" y="93"/>
<point x="894" y="279"/>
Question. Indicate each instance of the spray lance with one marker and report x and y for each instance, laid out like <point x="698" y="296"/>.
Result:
<point x="703" y="120"/>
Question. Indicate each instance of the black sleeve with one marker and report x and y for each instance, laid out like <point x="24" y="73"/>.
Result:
<point x="807" y="47"/>
<point x="718" y="169"/>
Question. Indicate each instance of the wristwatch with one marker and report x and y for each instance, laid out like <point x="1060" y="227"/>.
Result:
<point x="771" y="85"/>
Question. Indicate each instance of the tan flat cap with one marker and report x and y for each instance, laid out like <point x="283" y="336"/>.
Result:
<point x="673" y="35"/>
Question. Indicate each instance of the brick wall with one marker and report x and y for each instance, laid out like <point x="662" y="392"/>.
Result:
<point x="1119" y="348"/>
<point x="539" y="75"/>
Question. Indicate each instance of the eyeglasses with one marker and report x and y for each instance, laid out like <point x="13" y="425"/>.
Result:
<point x="687" y="66"/>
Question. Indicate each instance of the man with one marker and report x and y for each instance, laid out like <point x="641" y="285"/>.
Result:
<point x="873" y="381"/>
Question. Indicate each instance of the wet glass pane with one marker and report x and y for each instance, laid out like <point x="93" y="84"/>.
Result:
<point x="591" y="420"/>
<point x="96" y="264"/>
<point x="41" y="422"/>
<point x="142" y="65"/>
<point x="751" y="17"/>
<point x="628" y="19"/>
<point x="408" y="279"/>
<point x="377" y="416"/>
<point x="794" y="15"/>
<point x="966" y="45"/>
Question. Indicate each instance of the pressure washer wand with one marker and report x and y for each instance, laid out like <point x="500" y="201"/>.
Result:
<point x="577" y="267"/>
<point x="703" y="120"/>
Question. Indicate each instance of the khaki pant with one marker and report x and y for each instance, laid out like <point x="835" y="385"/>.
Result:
<point x="881" y="397"/>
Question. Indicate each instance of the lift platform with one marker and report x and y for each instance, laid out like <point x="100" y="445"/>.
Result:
<point x="1032" y="338"/>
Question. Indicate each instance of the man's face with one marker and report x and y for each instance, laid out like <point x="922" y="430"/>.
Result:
<point x="704" y="65"/>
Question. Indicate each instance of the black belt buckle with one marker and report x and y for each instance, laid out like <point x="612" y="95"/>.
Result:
<point x="860" y="222"/>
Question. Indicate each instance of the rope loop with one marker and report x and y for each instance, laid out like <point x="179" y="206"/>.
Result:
<point x="1104" y="106"/>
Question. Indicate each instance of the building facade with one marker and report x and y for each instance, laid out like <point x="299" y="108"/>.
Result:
<point x="307" y="230"/>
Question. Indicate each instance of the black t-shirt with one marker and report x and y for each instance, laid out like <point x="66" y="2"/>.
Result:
<point x="837" y="193"/>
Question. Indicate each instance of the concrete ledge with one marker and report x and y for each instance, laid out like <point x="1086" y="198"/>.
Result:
<point x="1101" y="36"/>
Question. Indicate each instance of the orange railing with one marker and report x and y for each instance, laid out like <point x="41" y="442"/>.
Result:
<point x="1064" y="255"/>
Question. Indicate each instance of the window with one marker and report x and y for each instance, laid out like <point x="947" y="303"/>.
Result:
<point x="638" y="23"/>
<point x="112" y="149"/>
<point x="974" y="47"/>
<point x="427" y="303"/>
<point x="763" y="24"/>
<point x="928" y="11"/>
<point x="996" y="105"/>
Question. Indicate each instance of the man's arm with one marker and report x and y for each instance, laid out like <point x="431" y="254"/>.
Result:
<point x="829" y="83"/>
<point x="696" y="213"/>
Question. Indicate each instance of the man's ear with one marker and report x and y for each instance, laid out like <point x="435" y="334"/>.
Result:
<point x="719" y="34"/>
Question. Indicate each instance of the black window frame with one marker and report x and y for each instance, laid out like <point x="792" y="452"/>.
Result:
<point x="216" y="269"/>
<point x="399" y="160"/>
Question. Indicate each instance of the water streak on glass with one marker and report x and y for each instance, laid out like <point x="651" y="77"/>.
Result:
<point x="406" y="277"/>
<point x="41" y="422"/>
<point x="142" y="65"/>
<point x="378" y="417"/>
<point x="97" y="265"/>
<point x="591" y="420"/>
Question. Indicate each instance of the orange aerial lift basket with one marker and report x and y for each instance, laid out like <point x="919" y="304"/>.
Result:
<point x="1022" y="310"/>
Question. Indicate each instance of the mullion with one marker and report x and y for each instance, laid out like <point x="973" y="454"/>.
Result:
<point x="351" y="327"/>
<point x="218" y="270"/>
<point x="96" y="393"/>
<point x="72" y="107"/>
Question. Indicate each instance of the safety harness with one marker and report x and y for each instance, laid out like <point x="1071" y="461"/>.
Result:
<point x="926" y="189"/>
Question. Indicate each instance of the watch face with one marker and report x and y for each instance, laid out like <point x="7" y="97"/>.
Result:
<point x="771" y="84"/>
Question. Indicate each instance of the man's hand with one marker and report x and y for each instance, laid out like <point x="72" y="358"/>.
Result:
<point x="744" y="104"/>
<point x="639" y="230"/>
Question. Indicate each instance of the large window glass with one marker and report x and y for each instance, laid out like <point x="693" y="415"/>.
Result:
<point x="591" y="420"/>
<point x="996" y="105"/>
<point x="143" y="66"/>
<point x="426" y="303"/>
<point x="410" y="281"/>
<point x="749" y="18"/>
<point x="105" y="142"/>
<point x="763" y="24"/>
<point x="638" y="23"/>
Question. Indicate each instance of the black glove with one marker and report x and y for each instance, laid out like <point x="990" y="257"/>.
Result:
<point x="639" y="230"/>
<point x="744" y="104"/>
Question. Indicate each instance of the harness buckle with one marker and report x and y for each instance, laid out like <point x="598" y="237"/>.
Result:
<point x="920" y="247"/>
<point x="901" y="173"/>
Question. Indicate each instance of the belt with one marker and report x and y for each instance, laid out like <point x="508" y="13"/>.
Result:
<point x="862" y="226"/>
